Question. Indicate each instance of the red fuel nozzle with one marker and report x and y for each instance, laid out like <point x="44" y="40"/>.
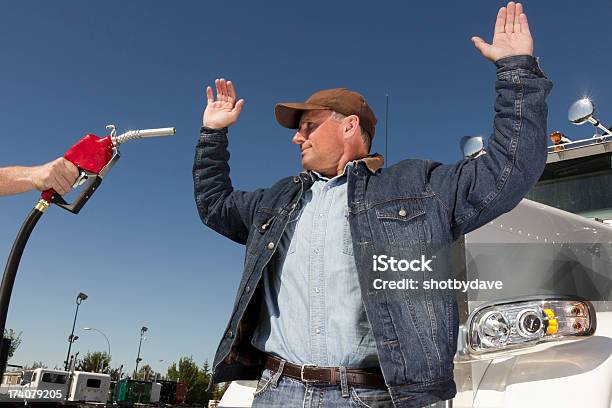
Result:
<point x="91" y="155"/>
<point x="94" y="156"/>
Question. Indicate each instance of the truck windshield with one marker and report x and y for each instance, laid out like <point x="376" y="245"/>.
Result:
<point x="27" y="377"/>
<point x="54" y="378"/>
<point x="582" y="186"/>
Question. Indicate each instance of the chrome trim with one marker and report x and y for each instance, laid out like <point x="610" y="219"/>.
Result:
<point x="579" y="148"/>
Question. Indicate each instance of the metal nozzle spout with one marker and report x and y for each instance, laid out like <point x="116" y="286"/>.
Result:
<point x="142" y="133"/>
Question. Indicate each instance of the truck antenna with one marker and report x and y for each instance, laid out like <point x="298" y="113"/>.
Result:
<point x="386" y="130"/>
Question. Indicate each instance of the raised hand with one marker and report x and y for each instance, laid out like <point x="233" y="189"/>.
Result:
<point x="511" y="36"/>
<point x="223" y="111"/>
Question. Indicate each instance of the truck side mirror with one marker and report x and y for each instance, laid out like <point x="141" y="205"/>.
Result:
<point x="472" y="146"/>
<point x="581" y="111"/>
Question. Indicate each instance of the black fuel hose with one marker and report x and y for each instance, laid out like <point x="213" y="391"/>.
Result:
<point x="12" y="264"/>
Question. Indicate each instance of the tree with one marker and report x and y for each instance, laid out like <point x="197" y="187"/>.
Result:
<point x="146" y="373"/>
<point x="96" y="362"/>
<point x="15" y="340"/>
<point x="196" y="378"/>
<point x="217" y="391"/>
<point x="173" y="373"/>
<point x="37" y="364"/>
<point x="116" y="373"/>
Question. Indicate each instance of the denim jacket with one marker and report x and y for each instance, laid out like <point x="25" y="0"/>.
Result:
<point x="405" y="208"/>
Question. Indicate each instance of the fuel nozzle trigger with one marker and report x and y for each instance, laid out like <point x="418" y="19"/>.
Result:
<point x="83" y="176"/>
<point x="91" y="182"/>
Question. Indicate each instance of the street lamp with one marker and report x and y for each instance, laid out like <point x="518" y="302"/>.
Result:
<point x="100" y="331"/>
<point x="80" y="297"/>
<point x="138" y="359"/>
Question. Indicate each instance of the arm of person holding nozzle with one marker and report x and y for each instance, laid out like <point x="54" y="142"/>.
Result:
<point x="58" y="174"/>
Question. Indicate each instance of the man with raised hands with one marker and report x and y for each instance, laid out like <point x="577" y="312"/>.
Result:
<point x="307" y="321"/>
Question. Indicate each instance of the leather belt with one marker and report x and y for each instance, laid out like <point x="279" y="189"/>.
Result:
<point x="310" y="373"/>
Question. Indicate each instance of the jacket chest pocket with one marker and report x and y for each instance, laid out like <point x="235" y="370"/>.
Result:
<point x="262" y="223"/>
<point x="402" y="220"/>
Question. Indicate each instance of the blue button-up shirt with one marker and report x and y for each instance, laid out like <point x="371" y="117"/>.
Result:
<point x="312" y="312"/>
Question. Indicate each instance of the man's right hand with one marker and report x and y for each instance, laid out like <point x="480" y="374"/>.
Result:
<point x="511" y="35"/>
<point x="59" y="175"/>
<point x="223" y="111"/>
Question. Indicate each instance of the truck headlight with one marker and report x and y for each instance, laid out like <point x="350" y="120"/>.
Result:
<point x="515" y="324"/>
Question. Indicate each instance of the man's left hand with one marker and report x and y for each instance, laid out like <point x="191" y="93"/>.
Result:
<point x="511" y="37"/>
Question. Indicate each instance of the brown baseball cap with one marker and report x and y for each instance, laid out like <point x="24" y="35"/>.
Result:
<point x="340" y="100"/>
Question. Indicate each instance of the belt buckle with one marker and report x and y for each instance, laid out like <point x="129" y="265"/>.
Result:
<point x="302" y="373"/>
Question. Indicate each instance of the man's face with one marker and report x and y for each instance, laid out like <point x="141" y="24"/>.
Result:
<point x="320" y="139"/>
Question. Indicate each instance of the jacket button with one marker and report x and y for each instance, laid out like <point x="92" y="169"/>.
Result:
<point x="247" y="289"/>
<point x="229" y="334"/>
<point x="296" y="179"/>
<point x="402" y="212"/>
<point x="264" y="226"/>
<point x="270" y="245"/>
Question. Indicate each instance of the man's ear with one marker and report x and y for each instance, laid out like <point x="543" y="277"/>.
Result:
<point x="351" y="125"/>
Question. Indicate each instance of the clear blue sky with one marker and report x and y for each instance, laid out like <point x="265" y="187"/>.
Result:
<point x="138" y="249"/>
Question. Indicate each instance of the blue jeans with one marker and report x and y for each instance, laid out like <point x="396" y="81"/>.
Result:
<point x="274" y="390"/>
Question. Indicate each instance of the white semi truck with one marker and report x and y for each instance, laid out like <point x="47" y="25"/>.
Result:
<point x="550" y="343"/>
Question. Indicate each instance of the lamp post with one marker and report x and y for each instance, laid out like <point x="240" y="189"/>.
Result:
<point x="161" y="360"/>
<point x="71" y="339"/>
<point x="138" y="359"/>
<point x="107" y="342"/>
